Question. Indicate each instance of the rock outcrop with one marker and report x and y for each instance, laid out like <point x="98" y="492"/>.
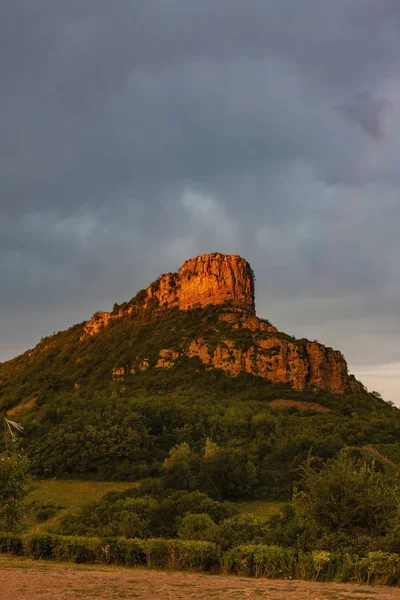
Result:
<point x="299" y="365"/>
<point x="208" y="279"/>
<point x="228" y="281"/>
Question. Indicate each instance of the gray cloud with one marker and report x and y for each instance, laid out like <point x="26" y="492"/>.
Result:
<point x="134" y="136"/>
<point x="369" y="114"/>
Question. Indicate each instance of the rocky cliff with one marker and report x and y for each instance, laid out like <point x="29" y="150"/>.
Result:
<point x="238" y="341"/>
<point x="208" y="279"/>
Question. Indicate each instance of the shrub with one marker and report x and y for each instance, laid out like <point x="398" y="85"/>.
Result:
<point x="198" y="527"/>
<point x="244" y="529"/>
<point x="156" y="552"/>
<point x="44" y="514"/>
<point x="39" y="546"/>
<point x="78" y="550"/>
<point x="11" y="544"/>
<point x="258" y="560"/>
<point x="378" y="567"/>
<point x="193" y="555"/>
<point x="120" y="551"/>
<point x="321" y="559"/>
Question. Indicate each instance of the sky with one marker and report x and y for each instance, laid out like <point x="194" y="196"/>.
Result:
<point x="136" y="134"/>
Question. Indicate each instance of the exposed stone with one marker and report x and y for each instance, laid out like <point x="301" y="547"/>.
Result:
<point x="118" y="373"/>
<point x="207" y="279"/>
<point x="144" y="364"/>
<point x="167" y="358"/>
<point x="199" y="348"/>
<point x="97" y="322"/>
<point x="302" y="367"/>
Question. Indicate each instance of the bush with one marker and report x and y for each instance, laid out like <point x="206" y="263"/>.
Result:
<point x="44" y="514"/>
<point x="244" y="529"/>
<point x="120" y="551"/>
<point x="161" y="553"/>
<point x="193" y="555"/>
<point x="78" y="550"/>
<point x="378" y="567"/>
<point x="258" y="560"/>
<point x="198" y="527"/>
<point x="11" y="544"/>
<point x="39" y="546"/>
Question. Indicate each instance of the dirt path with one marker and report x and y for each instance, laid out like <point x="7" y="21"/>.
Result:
<point x="23" y="579"/>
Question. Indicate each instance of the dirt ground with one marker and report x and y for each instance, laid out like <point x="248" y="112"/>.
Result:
<point x="23" y="579"/>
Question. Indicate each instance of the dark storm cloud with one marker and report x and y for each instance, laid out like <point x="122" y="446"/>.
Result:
<point x="136" y="134"/>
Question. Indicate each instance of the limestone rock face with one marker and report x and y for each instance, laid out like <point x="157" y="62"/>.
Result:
<point x="243" y="342"/>
<point x="215" y="279"/>
<point x="301" y="365"/>
<point x="97" y="322"/>
<point x="208" y="279"/>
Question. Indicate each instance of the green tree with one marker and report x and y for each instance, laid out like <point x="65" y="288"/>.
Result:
<point x="198" y="527"/>
<point x="13" y="477"/>
<point x="346" y="496"/>
<point x="177" y="467"/>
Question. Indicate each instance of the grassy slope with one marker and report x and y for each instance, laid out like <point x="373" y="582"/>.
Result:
<point x="72" y="494"/>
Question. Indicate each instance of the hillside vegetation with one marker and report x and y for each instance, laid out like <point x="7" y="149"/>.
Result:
<point x="81" y="421"/>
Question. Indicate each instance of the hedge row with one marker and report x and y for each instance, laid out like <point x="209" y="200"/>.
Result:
<point x="161" y="553"/>
<point x="257" y="560"/>
<point x="254" y="560"/>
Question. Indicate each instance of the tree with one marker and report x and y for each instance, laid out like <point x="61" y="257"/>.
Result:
<point x="198" y="527"/>
<point x="346" y="496"/>
<point x="13" y="477"/>
<point x="177" y="467"/>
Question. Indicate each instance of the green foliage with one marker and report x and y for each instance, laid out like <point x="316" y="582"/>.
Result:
<point x="208" y="438"/>
<point x="243" y="529"/>
<point x="347" y="497"/>
<point x="220" y="472"/>
<point x="390" y="451"/>
<point x="136" y="513"/>
<point x="13" y="477"/>
<point x="157" y="553"/>
<point x="257" y="560"/>
<point x="84" y="424"/>
<point x="378" y="567"/>
<point x="251" y="560"/>
<point x="198" y="527"/>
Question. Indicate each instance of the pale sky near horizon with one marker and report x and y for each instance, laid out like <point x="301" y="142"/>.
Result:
<point x="135" y="135"/>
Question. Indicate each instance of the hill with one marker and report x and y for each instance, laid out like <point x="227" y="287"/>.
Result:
<point x="187" y="363"/>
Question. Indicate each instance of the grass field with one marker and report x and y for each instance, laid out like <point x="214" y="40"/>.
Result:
<point x="71" y="494"/>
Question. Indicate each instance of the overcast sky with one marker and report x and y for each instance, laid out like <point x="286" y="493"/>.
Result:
<point x="135" y="134"/>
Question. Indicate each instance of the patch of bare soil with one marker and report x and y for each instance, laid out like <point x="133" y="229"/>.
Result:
<point x="301" y="405"/>
<point x="23" y="579"/>
<point x="22" y="406"/>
